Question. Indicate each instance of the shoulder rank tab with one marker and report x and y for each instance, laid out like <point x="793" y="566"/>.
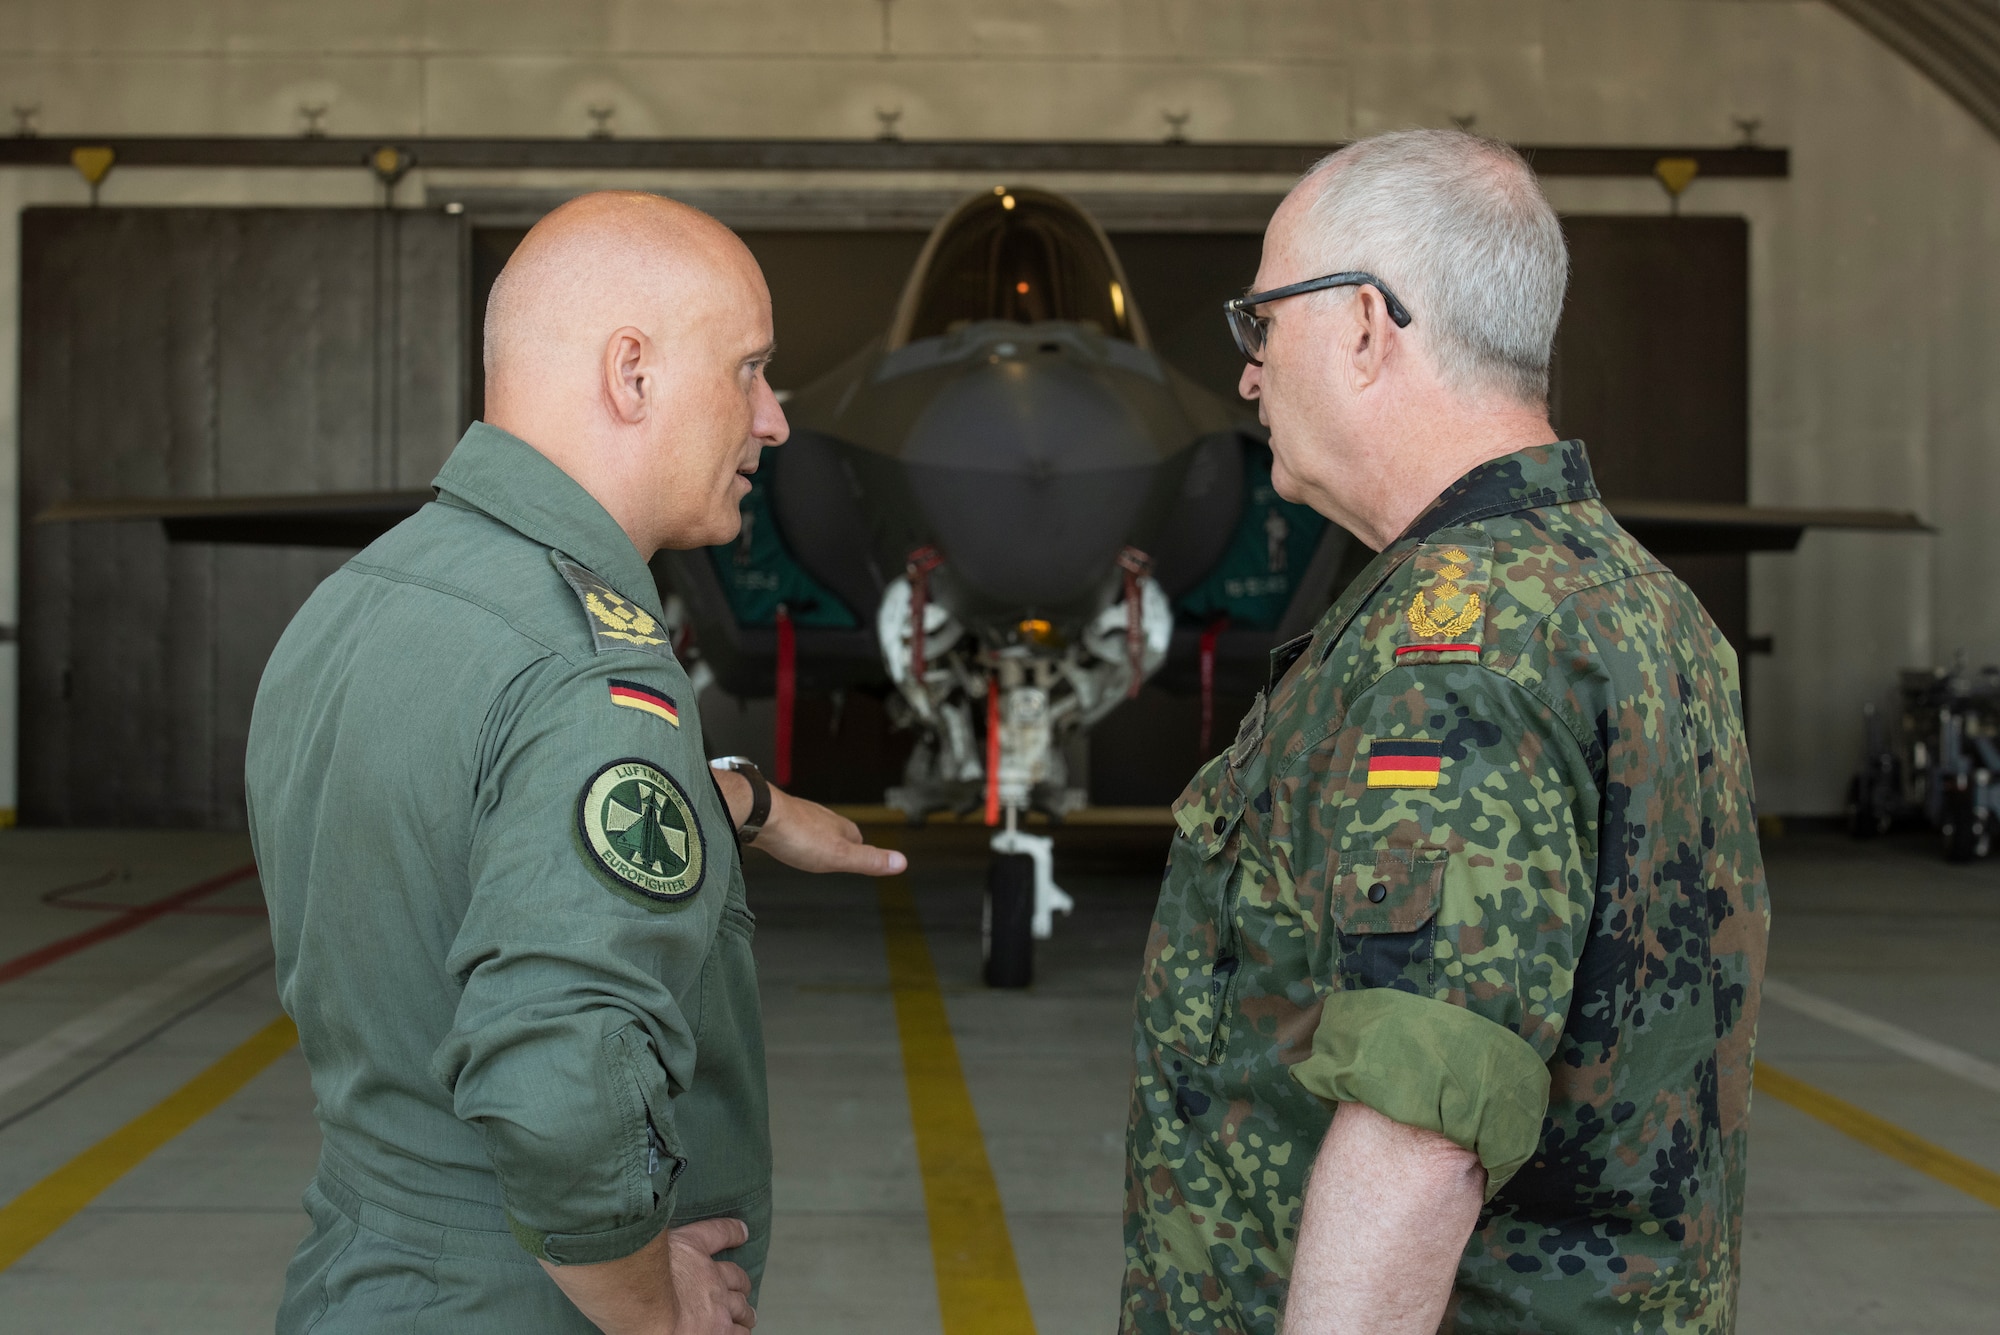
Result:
<point x="1446" y="614"/>
<point x="616" y="622"/>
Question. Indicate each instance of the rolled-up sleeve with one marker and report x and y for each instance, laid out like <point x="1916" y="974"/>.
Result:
<point x="599" y="870"/>
<point x="1460" y="881"/>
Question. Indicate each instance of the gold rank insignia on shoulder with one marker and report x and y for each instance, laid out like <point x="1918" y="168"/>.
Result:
<point x="1446" y="614"/>
<point x="616" y="622"/>
<point x="618" y="619"/>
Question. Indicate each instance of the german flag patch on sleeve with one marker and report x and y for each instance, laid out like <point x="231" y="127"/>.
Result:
<point x="1404" y="763"/>
<point x="632" y="695"/>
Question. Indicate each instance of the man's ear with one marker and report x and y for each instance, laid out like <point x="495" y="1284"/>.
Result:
<point x="627" y="386"/>
<point x="1368" y="337"/>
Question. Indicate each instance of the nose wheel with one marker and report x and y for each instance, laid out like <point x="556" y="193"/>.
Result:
<point x="1010" y="920"/>
<point x="1022" y="899"/>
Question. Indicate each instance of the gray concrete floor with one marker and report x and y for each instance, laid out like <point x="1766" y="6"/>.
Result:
<point x="1840" y="1238"/>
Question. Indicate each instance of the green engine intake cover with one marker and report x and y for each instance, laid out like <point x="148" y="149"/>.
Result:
<point x="758" y="574"/>
<point x="1253" y="582"/>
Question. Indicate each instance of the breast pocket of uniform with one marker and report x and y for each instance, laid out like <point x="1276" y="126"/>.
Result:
<point x="1190" y="956"/>
<point x="1385" y="906"/>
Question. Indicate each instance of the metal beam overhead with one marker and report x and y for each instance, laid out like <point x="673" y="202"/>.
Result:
<point x="994" y="156"/>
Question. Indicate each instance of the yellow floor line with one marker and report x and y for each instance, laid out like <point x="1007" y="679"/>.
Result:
<point x="48" y="1205"/>
<point x="979" y="1285"/>
<point x="1975" y="1180"/>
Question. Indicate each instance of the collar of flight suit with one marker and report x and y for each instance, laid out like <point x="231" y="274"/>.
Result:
<point x="501" y="475"/>
<point x="1530" y="479"/>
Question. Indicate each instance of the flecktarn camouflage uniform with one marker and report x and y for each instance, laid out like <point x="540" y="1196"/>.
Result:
<point x="1484" y="859"/>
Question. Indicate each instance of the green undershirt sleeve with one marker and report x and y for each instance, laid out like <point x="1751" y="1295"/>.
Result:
<point x="1432" y="1065"/>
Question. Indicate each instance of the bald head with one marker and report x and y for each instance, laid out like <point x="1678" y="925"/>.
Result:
<point x="604" y="260"/>
<point x="626" y="339"/>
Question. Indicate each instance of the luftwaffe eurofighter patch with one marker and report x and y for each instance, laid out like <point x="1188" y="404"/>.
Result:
<point x="640" y="830"/>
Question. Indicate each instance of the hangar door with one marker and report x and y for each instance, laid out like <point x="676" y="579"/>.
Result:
<point x="1652" y="373"/>
<point x="203" y="352"/>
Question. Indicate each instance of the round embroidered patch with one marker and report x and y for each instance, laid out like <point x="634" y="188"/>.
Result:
<point x="640" y="828"/>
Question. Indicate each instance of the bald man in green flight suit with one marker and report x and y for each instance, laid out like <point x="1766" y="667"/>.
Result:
<point x="504" y="884"/>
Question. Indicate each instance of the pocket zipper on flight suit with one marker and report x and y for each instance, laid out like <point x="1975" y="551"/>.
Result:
<point x="656" y="1149"/>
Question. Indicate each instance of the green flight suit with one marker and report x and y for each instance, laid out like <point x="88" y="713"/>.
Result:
<point x="509" y="915"/>
<point x="1485" y="859"/>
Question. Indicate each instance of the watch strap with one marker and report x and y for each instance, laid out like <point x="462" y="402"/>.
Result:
<point x="760" y="796"/>
<point x="760" y="805"/>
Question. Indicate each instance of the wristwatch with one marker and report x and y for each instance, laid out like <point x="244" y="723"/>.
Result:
<point x="760" y="796"/>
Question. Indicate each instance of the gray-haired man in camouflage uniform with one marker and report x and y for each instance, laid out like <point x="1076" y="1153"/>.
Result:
<point x="1447" y="1013"/>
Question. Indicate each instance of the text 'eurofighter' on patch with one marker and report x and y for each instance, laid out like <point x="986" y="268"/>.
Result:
<point x="640" y="829"/>
<point x="1404" y="764"/>
<point x="632" y="695"/>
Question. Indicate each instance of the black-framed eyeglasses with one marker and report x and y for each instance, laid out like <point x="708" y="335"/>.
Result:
<point x="1249" y="328"/>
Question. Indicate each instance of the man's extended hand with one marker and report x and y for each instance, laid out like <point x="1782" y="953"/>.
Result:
<point x="671" y="1286"/>
<point x="807" y="835"/>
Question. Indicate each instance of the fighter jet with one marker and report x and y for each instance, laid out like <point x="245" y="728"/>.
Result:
<point x="999" y="499"/>
<point x="997" y="509"/>
<point x="1007" y="513"/>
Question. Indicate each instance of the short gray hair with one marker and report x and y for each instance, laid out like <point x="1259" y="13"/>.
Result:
<point x="1459" y="229"/>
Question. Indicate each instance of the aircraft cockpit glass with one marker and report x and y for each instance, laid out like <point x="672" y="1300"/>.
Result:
<point x="1021" y="256"/>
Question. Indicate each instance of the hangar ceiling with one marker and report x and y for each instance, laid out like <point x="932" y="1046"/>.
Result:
<point x="1955" y="42"/>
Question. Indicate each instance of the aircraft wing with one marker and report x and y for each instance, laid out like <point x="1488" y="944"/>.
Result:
<point x="354" y="519"/>
<point x="332" y="519"/>
<point x="743" y="655"/>
<point x="1677" y="528"/>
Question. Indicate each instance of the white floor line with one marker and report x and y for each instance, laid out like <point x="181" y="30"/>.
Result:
<point x="23" y="1064"/>
<point x="1950" y="1060"/>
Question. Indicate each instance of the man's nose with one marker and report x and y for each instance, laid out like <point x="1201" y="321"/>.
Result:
<point x="1251" y="384"/>
<point x="770" y="425"/>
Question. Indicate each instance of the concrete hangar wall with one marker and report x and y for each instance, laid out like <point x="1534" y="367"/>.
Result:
<point x="1875" y="291"/>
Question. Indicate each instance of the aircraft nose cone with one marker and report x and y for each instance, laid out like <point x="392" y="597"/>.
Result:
<point x="1031" y="472"/>
<point x="1040" y="416"/>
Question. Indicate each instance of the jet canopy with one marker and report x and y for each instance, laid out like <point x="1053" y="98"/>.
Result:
<point x="1025" y="256"/>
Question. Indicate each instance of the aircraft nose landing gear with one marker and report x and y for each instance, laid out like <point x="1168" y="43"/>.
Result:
<point x="1022" y="899"/>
